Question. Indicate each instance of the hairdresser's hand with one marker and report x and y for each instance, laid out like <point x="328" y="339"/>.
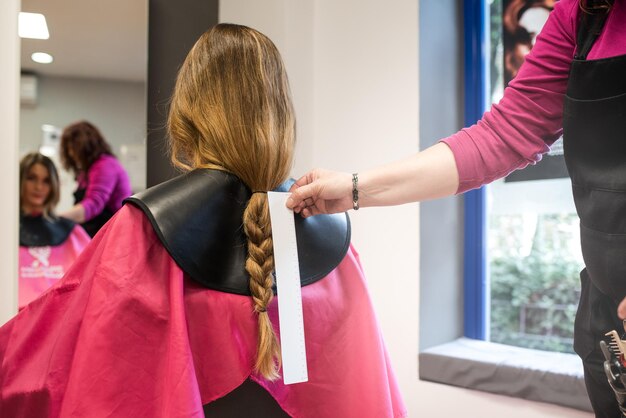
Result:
<point x="321" y="191"/>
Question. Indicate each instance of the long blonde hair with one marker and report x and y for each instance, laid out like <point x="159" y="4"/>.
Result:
<point x="231" y="110"/>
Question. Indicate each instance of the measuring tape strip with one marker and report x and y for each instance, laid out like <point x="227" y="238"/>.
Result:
<point x="291" y="323"/>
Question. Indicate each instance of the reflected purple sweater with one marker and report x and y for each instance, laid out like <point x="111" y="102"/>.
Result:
<point x="107" y="186"/>
<point x="520" y="128"/>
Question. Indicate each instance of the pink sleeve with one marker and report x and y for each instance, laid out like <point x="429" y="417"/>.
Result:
<point x="520" y="128"/>
<point x="100" y="186"/>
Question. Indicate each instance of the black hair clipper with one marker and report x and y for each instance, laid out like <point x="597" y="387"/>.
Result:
<point x="615" y="367"/>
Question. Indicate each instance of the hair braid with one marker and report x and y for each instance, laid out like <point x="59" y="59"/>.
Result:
<point x="259" y="265"/>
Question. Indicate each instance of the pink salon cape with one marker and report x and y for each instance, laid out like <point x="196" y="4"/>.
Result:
<point x="127" y="334"/>
<point x="41" y="267"/>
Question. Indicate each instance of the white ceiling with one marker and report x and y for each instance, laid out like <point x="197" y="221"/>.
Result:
<point x="91" y="38"/>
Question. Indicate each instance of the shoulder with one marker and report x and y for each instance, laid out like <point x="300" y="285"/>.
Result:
<point x="567" y="8"/>
<point x="105" y="166"/>
<point x="129" y="230"/>
<point x="65" y="224"/>
<point x="566" y="13"/>
<point x="105" y="161"/>
<point x="37" y="231"/>
<point x="198" y="218"/>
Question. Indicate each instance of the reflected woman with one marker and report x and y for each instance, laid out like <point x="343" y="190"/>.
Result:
<point x="102" y="181"/>
<point x="48" y="244"/>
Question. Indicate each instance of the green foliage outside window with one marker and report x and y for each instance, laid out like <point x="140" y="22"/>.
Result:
<point x="535" y="284"/>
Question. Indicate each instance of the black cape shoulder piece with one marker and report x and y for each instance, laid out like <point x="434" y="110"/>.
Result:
<point x="40" y="231"/>
<point x="198" y="218"/>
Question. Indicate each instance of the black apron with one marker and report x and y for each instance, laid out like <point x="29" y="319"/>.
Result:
<point x="93" y="225"/>
<point x="594" y="131"/>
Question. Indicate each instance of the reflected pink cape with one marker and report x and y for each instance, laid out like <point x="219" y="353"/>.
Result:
<point x="42" y="267"/>
<point x="126" y="334"/>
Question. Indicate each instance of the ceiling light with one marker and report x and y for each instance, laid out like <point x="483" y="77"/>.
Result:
<point x="33" y="25"/>
<point x="42" y="58"/>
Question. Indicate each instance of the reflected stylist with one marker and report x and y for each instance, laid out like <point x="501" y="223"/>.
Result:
<point x="102" y="181"/>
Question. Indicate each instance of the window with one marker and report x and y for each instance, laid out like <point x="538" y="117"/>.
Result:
<point x="521" y="257"/>
<point x="531" y="247"/>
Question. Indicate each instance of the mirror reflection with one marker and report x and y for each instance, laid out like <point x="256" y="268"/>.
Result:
<point x="82" y="127"/>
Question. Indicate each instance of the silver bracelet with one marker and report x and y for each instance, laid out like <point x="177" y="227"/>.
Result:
<point x="355" y="191"/>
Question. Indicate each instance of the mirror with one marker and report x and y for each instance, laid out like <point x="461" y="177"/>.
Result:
<point x="98" y="74"/>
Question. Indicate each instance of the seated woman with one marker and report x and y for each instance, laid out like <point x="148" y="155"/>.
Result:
<point x="48" y="244"/>
<point x="171" y="311"/>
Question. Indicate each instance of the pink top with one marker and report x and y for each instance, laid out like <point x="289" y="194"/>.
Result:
<point x="41" y="267"/>
<point x="127" y="334"/>
<point x="520" y="128"/>
<point x="107" y="186"/>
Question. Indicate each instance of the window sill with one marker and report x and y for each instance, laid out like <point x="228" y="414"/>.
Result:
<point x="506" y="370"/>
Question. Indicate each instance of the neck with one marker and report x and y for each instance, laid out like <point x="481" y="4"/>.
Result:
<point x="32" y="210"/>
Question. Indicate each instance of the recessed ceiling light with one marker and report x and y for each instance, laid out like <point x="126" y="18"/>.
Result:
<point x="32" y="25"/>
<point x="42" y="58"/>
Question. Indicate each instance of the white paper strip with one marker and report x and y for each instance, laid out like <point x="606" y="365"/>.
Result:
<point x="292" y="343"/>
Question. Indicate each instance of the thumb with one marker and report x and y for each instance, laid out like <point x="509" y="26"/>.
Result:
<point x="300" y="194"/>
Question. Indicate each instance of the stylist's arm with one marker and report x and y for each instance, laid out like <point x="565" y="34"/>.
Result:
<point x="429" y="174"/>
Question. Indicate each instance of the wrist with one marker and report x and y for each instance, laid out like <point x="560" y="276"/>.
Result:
<point x="355" y="191"/>
<point x="371" y="191"/>
<point x="363" y="189"/>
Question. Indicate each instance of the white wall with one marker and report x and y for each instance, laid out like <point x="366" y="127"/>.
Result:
<point x="353" y="66"/>
<point x="9" y="120"/>
<point x="290" y="25"/>
<point x="117" y="108"/>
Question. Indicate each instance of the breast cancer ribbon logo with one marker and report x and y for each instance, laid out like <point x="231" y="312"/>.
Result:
<point x="41" y="256"/>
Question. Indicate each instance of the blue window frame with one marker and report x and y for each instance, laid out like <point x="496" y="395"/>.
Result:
<point x="476" y="82"/>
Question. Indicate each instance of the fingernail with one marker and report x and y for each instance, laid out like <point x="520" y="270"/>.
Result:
<point x="289" y="202"/>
